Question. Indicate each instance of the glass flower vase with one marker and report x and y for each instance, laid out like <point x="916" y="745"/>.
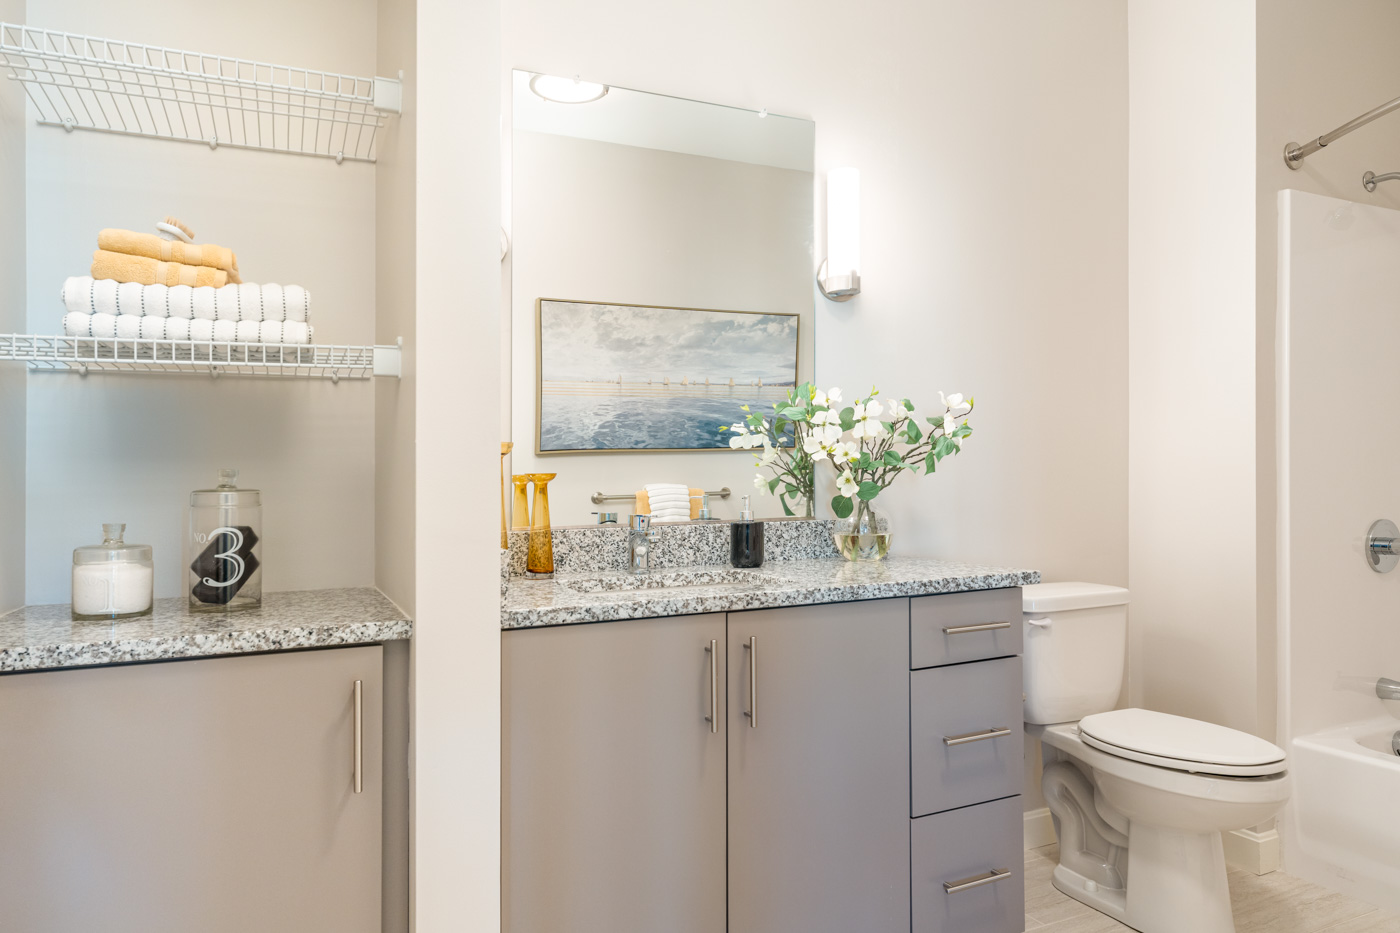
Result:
<point x="539" y="558"/>
<point x="864" y="535"/>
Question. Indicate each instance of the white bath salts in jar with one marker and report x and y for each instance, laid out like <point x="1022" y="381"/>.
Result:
<point x="113" y="580"/>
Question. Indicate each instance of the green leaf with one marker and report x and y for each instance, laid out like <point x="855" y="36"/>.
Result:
<point x="773" y="484"/>
<point x="794" y="413"/>
<point x="889" y="426"/>
<point x="866" y="462"/>
<point x="937" y="421"/>
<point x="962" y="431"/>
<point x="842" y="507"/>
<point x="868" y="490"/>
<point x="908" y="405"/>
<point x="786" y="510"/>
<point x="792" y="490"/>
<point x="848" y="418"/>
<point x="912" y="431"/>
<point x="930" y="463"/>
<point x="944" y="446"/>
<point x="892" y="458"/>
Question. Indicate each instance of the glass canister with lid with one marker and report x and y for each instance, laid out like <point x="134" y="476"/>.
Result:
<point x="223" y="549"/>
<point x="112" y="580"/>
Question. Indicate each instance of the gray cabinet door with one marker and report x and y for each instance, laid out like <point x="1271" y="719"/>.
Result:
<point x="819" y="773"/>
<point x="213" y="795"/>
<point x="613" y="780"/>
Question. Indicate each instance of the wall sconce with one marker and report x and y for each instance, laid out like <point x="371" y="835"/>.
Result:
<point x="839" y="275"/>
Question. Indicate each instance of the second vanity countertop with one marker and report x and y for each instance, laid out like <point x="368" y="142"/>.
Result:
<point x="604" y="597"/>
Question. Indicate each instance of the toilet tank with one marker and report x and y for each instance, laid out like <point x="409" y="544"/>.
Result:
<point x="1076" y="640"/>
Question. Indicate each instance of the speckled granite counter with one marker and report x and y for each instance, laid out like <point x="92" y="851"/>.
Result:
<point x="597" y="597"/>
<point x="44" y="637"/>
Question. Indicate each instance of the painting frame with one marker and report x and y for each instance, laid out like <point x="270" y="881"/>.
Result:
<point x="540" y="451"/>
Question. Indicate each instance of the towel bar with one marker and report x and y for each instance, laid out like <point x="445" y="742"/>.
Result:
<point x="600" y="497"/>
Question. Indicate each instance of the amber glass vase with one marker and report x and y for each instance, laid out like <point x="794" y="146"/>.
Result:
<point x="539" y="560"/>
<point x="520" y="508"/>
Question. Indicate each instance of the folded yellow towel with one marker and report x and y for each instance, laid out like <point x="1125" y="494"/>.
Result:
<point x="127" y="268"/>
<point x="154" y="247"/>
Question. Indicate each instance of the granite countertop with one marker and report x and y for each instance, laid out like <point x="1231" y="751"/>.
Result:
<point x="45" y="637"/>
<point x="592" y="597"/>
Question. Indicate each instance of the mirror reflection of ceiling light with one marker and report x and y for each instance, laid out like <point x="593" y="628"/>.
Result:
<point x="566" y="90"/>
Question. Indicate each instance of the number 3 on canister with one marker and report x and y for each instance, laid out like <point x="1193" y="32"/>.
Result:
<point x="229" y="555"/>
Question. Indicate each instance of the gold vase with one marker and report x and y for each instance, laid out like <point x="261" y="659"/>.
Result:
<point x="539" y="560"/>
<point x="506" y="447"/>
<point x="520" y="512"/>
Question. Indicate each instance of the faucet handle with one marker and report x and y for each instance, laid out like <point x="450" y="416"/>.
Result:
<point x="641" y="522"/>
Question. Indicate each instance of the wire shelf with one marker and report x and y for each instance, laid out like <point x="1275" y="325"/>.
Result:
<point x="82" y="82"/>
<point x="192" y="357"/>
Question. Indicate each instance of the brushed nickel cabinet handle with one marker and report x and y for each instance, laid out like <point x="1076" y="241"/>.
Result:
<point x="967" y="737"/>
<point x="752" y="712"/>
<point x="976" y="881"/>
<point x="359" y="737"/>
<point x="979" y="627"/>
<point x="713" y="718"/>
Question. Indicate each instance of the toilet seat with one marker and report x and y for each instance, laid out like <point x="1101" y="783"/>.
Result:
<point x="1181" y="744"/>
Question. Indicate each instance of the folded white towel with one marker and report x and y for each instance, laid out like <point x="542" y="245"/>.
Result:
<point x="225" y="331"/>
<point x="202" y="303"/>
<point x="129" y="298"/>
<point x="226" y="303"/>
<point x="295" y="332"/>
<point x="128" y="326"/>
<point x="77" y="293"/>
<point x="152" y="327"/>
<point x="104" y="325"/>
<point x="298" y="303"/>
<point x="201" y="330"/>
<point x="670" y="502"/>
<point x="181" y="302"/>
<point x="77" y="324"/>
<point x="270" y="332"/>
<point x="249" y="302"/>
<point x="104" y="297"/>
<point x="248" y="331"/>
<point x="274" y="302"/>
<point x="155" y="300"/>
<point x="177" y="328"/>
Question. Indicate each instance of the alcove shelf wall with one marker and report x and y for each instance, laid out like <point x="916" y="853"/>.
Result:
<point x="91" y="429"/>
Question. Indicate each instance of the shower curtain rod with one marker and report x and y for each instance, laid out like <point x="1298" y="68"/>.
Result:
<point x="1294" y="154"/>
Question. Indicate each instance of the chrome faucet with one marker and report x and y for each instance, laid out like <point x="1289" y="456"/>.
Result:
<point x="1388" y="689"/>
<point x="640" y="539"/>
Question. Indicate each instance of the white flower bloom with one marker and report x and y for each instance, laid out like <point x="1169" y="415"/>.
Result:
<point x="760" y="484"/>
<point x="739" y="427"/>
<point x="769" y="455"/>
<point x="826" y="417"/>
<point x="873" y="409"/>
<point x="814" y="448"/>
<point x="845" y="452"/>
<point x="819" y="398"/>
<point x="831" y="433"/>
<point x="847" y="485"/>
<point x="737" y="441"/>
<point x="834" y="395"/>
<point x="955" y="405"/>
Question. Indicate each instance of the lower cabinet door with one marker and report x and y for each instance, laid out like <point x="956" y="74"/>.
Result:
<point x="819" y="769"/>
<point x="613" y="771"/>
<point x="214" y="795"/>
<point x="968" y="870"/>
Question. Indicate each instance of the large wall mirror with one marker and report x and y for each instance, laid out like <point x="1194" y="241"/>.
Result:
<point x="661" y="277"/>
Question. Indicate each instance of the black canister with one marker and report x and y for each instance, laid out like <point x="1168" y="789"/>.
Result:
<point x="746" y="539"/>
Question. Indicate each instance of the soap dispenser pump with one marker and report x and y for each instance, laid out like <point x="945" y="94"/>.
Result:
<point x="746" y="539"/>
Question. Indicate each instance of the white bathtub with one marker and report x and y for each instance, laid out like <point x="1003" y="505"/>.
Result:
<point x="1343" y="824"/>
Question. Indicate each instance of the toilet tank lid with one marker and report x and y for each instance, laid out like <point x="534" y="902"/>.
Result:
<point x="1058" y="597"/>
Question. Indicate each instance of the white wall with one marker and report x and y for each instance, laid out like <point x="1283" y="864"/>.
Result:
<point x="1191" y="352"/>
<point x="457" y="633"/>
<point x="12" y="316"/>
<point x="130" y="448"/>
<point x="598" y="221"/>
<point x="991" y="140"/>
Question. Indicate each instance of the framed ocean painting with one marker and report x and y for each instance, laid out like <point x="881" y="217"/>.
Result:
<point x="615" y="377"/>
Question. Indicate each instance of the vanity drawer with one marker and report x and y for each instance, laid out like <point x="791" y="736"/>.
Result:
<point x="954" y="857"/>
<point x="959" y="754"/>
<point x="958" y="627"/>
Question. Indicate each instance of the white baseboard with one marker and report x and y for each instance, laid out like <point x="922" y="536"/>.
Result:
<point x="1040" y="828"/>
<point x="1258" y="853"/>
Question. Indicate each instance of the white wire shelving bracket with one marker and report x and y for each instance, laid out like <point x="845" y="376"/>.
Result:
<point x="111" y="86"/>
<point x="201" y="358"/>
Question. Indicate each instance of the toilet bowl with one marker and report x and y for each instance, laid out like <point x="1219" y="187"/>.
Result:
<point x="1139" y="798"/>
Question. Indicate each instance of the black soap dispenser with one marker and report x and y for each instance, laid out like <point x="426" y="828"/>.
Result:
<point x="746" y="539"/>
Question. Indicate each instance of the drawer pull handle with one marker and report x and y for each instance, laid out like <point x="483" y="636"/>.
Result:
<point x="751" y="646"/>
<point x="359" y="737"/>
<point x="713" y="718"/>
<point x="979" y="627"/>
<point x="967" y="737"/>
<point x="976" y="881"/>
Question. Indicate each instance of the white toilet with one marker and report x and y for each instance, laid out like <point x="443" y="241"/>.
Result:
<point x="1140" y="799"/>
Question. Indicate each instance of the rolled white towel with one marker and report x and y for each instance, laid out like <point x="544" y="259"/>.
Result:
<point x="226" y="303"/>
<point x="201" y="330"/>
<point x="181" y="301"/>
<point x="250" y="307"/>
<point x="202" y="302"/>
<point x="295" y="332"/>
<point x="128" y="326"/>
<point x="225" y="331"/>
<point x="129" y="295"/>
<point x="155" y="301"/>
<point x="104" y="325"/>
<point x="177" y="328"/>
<point x="247" y="331"/>
<point x="77" y="324"/>
<point x="104" y="297"/>
<point x="153" y="326"/>
<point x="77" y="293"/>
<point x="274" y="302"/>
<point x="298" y="303"/>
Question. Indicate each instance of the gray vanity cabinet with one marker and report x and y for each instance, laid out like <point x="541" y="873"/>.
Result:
<point x="819" y="768"/>
<point x="212" y="795"/>
<point x="614" y="777"/>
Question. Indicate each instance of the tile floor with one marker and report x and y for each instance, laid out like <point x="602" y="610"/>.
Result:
<point x="1273" y="903"/>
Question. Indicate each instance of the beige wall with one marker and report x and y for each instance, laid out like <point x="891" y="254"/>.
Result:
<point x="1320" y="65"/>
<point x="457" y="636"/>
<point x="109" y="448"/>
<point x="1191" y="351"/>
<point x="12" y="377"/>
<point x="599" y="221"/>
<point x="395" y="274"/>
